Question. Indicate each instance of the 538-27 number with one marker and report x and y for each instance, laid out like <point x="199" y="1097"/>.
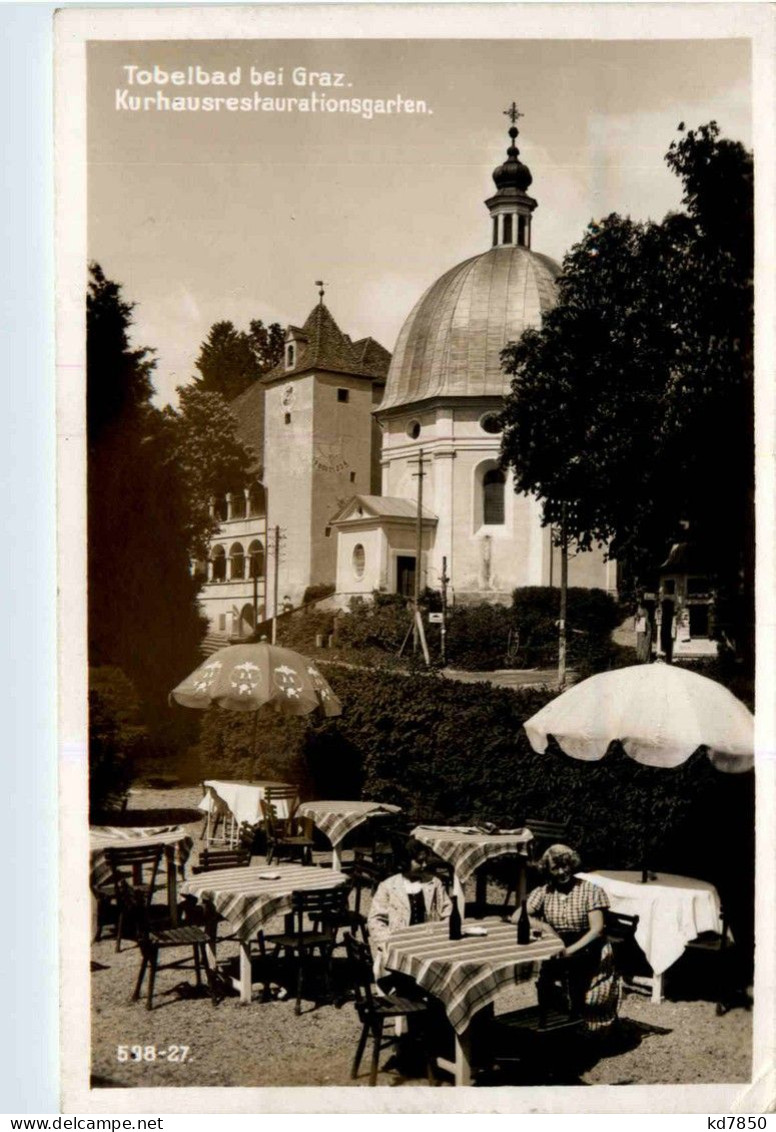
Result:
<point x="152" y="1053"/>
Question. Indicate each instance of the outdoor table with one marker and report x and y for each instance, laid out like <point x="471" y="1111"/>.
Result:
<point x="177" y="847"/>
<point x="672" y="910"/>
<point x="466" y="848"/>
<point x="467" y="974"/>
<point x="243" y="799"/>
<point x="337" y="819"/>
<point x="248" y="897"/>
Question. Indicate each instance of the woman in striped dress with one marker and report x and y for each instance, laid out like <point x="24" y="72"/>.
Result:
<point x="575" y="910"/>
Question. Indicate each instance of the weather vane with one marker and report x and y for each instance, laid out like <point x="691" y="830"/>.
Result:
<point x="513" y="113"/>
<point x="320" y="283"/>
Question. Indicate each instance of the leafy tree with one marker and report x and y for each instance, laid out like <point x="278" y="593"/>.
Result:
<point x="267" y="343"/>
<point x="143" y="615"/>
<point x="633" y="402"/>
<point x="211" y="460"/>
<point x="230" y="360"/>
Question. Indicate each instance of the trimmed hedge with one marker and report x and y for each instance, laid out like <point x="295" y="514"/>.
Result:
<point x="451" y="752"/>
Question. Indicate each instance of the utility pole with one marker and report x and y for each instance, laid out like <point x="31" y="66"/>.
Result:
<point x="275" y="587"/>
<point x="418" y="549"/>
<point x="443" y="581"/>
<point x="564" y="578"/>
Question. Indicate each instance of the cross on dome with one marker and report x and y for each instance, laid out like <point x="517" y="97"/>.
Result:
<point x="513" y="113"/>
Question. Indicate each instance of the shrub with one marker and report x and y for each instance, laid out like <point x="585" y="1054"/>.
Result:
<point x="381" y="623"/>
<point x="591" y="616"/>
<point x="478" y="636"/>
<point x="301" y="630"/>
<point x="318" y="592"/>
<point x="117" y="739"/>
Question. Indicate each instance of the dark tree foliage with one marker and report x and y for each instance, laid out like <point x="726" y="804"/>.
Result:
<point x="230" y="360"/>
<point x="211" y="459"/>
<point x="143" y="616"/>
<point x="634" y="401"/>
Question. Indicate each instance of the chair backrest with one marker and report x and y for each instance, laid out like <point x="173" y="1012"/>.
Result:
<point x="288" y="794"/>
<point x="126" y="863"/>
<point x="321" y="904"/>
<point x="270" y="818"/>
<point x="621" y="933"/>
<point x="545" y="833"/>
<point x="361" y="967"/>
<point x="212" y="859"/>
<point x="134" y="904"/>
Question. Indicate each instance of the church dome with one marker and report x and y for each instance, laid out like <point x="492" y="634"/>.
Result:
<point x="450" y="344"/>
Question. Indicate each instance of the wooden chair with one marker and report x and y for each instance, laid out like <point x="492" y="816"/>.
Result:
<point x="294" y="839"/>
<point x="323" y="907"/>
<point x="288" y="794"/>
<point x="212" y="859"/>
<point x="719" y="948"/>
<point x="545" y="833"/>
<point x="373" y="1010"/>
<point x="621" y="934"/>
<point x="361" y="876"/>
<point x="526" y="1035"/>
<point x="218" y="814"/>
<point x="151" y="940"/>
<point x="138" y="865"/>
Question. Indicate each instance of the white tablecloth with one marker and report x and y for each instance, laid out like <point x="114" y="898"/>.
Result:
<point x="672" y="910"/>
<point x="244" y="798"/>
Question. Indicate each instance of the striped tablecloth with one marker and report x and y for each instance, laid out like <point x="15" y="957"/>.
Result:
<point x="467" y="974"/>
<point x="249" y="897"/>
<point x="466" y="851"/>
<point x="337" y="819"/>
<point x="108" y="836"/>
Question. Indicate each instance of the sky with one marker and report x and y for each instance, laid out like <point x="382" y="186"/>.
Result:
<point x="234" y="215"/>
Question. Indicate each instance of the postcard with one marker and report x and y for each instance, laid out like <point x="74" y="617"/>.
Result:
<point x="407" y="381"/>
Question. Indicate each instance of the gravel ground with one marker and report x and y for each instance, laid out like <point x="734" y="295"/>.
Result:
<point x="264" y="1044"/>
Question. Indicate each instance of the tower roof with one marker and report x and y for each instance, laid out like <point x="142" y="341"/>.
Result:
<point x="322" y="345"/>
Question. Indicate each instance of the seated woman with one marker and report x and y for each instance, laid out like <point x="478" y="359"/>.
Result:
<point x="412" y="896"/>
<point x="575" y="910"/>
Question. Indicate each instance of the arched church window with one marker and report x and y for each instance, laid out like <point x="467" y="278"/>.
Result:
<point x="493" y="497"/>
<point x="237" y="560"/>
<point x="359" y="560"/>
<point x="508" y="228"/>
<point x="256" y="559"/>
<point x="218" y="559"/>
<point x="290" y="355"/>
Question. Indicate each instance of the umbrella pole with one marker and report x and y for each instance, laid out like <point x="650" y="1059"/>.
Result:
<point x="253" y="743"/>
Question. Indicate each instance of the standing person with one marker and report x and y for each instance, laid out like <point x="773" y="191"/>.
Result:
<point x="643" y="628"/>
<point x="575" y="910"/>
<point x="412" y="896"/>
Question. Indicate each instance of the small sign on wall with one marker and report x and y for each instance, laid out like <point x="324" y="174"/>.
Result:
<point x="436" y="618"/>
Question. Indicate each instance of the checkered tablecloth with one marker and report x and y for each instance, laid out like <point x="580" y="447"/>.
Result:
<point x="109" y="836"/>
<point x="467" y="851"/>
<point x="467" y="974"/>
<point x="337" y="819"/>
<point x="249" y="897"/>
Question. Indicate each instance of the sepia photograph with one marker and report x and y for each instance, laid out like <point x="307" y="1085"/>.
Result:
<point x="409" y="531"/>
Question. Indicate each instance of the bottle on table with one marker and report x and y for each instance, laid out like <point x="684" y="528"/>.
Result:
<point x="523" y="925"/>
<point x="454" y="923"/>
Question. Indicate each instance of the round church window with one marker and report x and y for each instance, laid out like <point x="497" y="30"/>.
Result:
<point x="359" y="560"/>
<point x="413" y="430"/>
<point x="490" y="423"/>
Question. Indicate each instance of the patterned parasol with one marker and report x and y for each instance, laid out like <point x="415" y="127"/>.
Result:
<point x="246" y="677"/>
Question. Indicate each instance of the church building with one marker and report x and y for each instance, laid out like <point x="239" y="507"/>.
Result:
<point x="348" y="443"/>
<point x="439" y="421"/>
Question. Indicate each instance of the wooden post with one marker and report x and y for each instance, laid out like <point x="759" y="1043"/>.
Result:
<point x="275" y="594"/>
<point x="444" y="580"/>
<point x="564" y="578"/>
